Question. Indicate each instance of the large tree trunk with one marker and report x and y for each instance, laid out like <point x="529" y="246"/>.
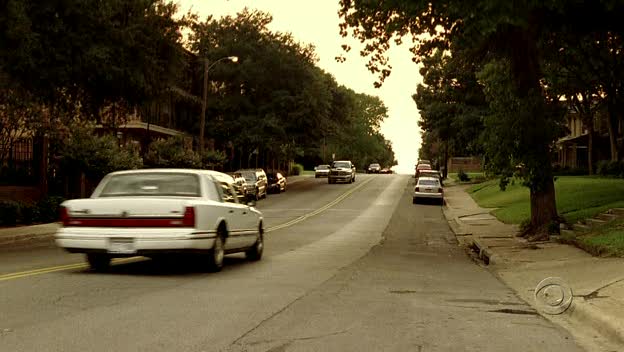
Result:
<point x="526" y="75"/>
<point x="613" y="131"/>
<point x="590" y="149"/>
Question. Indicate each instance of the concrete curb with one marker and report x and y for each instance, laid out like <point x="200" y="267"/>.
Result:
<point x="28" y="236"/>
<point x="597" y="318"/>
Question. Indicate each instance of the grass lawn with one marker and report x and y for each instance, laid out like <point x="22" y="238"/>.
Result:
<point x="606" y="240"/>
<point x="578" y="197"/>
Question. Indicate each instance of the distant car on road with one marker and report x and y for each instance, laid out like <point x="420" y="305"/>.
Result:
<point x="157" y="212"/>
<point x="421" y="167"/>
<point x="341" y="171"/>
<point x="321" y="171"/>
<point x="276" y="182"/>
<point x="428" y="188"/>
<point x="385" y="170"/>
<point x="256" y="180"/>
<point x="373" y="169"/>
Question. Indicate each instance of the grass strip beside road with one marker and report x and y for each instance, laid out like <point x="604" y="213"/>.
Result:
<point x="578" y="197"/>
<point x="605" y="240"/>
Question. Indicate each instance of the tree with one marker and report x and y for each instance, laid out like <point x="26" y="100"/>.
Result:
<point x="95" y="52"/>
<point x="451" y="104"/>
<point x="507" y="36"/>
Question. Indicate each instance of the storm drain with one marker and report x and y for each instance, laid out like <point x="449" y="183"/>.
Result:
<point x="514" y="311"/>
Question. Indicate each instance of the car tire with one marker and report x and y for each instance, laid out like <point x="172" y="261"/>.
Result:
<point x="217" y="254"/>
<point x="257" y="195"/>
<point x="98" y="262"/>
<point x="255" y="252"/>
<point x="414" y="200"/>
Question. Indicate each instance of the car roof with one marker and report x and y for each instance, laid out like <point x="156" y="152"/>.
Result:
<point x="171" y="171"/>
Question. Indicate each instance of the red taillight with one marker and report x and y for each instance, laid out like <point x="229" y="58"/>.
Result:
<point x="189" y="217"/>
<point x="416" y="189"/>
<point x="64" y="216"/>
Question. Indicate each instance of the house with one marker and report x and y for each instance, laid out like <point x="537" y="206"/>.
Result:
<point x="572" y="150"/>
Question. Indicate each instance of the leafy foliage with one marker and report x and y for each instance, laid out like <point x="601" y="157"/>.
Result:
<point x="172" y="152"/>
<point x="94" y="155"/>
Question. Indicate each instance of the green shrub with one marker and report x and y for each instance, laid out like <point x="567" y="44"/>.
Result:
<point x="297" y="169"/>
<point x="610" y="168"/>
<point x="28" y="213"/>
<point x="48" y="209"/>
<point x="9" y="212"/>
<point x="172" y="152"/>
<point x="463" y="177"/>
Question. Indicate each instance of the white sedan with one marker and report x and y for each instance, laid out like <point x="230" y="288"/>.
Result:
<point x="161" y="211"/>
<point x="428" y="188"/>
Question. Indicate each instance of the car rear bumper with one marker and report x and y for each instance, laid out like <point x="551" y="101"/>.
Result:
<point x="428" y="195"/>
<point x="142" y="241"/>
<point x="321" y="174"/>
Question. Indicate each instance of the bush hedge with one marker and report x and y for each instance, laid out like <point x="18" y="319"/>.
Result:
<point x="45" y="210"/>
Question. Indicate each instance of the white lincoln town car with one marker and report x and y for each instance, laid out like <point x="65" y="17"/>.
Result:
<point x="161" y="211"/>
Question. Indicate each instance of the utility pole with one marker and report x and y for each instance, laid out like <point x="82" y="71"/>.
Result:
<point x="202" y="123"/>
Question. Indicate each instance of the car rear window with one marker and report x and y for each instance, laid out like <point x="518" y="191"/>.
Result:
<point x="322" y="167"/>
<point x="152" y="184"/>
<point x="428" y="183"/>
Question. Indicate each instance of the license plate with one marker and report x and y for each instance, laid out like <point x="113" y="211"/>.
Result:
<point x="121" y="246"/>
<point x="429" y="190"/>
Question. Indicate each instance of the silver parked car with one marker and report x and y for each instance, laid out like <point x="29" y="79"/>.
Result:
<point x="428" y="188"/>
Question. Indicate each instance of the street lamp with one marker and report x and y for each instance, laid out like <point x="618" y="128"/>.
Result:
<point x="202" y="124"/>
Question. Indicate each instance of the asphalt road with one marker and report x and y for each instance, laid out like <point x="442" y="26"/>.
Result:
<point x="352" y="267"/>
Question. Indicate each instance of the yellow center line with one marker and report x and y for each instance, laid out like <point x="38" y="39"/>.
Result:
<point x="319" y="210"/>
<point x="118" y="261"/>
<point x="52" y="269"/>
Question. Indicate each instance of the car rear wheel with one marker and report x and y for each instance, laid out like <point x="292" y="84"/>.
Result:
<point x="414" y="200"/>
<point x="98" y="262"/>
<point x="255" y="252"/>
<point x="216" y="255"/>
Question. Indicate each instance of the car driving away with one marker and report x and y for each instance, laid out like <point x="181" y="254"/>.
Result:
<point x="428" y="188"/>
<point x="159" y="212"/>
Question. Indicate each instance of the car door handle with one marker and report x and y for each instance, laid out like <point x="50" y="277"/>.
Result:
<point x="244" y="213"/>
<point x="231" y="211"/>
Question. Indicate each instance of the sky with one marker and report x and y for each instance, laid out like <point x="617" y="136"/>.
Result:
<point x="316" y="22"/>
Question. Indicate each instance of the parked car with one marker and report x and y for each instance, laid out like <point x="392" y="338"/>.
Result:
<point x="257" y="185"/>
<point x="420" y="168"/>
<point x="423" y="161"/>
<point x="321" y="171"/>
<point x="373" y="169"/>
<point x="240" y="185"/>
<point x="341" y="171"/>
<point x="385" y="170"/>
<point x="156" y="212"/>
<point x="276" y="182"/>
<point x="432" y="173"/>
<point x="428" y="188"/>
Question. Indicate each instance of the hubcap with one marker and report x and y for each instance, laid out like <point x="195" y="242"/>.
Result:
<point x="218" y="252"/>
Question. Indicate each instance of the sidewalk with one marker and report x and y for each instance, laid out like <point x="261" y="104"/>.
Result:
<point x="597" y="283"/>
<point x="11" y="237"/>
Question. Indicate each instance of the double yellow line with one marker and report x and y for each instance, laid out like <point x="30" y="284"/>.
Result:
<point x="118" y="261"/>
<point x="319" y="210"/>
<point x="52" y="269"/>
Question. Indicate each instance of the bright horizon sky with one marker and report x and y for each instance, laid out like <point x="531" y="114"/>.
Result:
<point x="316" y="22"/>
